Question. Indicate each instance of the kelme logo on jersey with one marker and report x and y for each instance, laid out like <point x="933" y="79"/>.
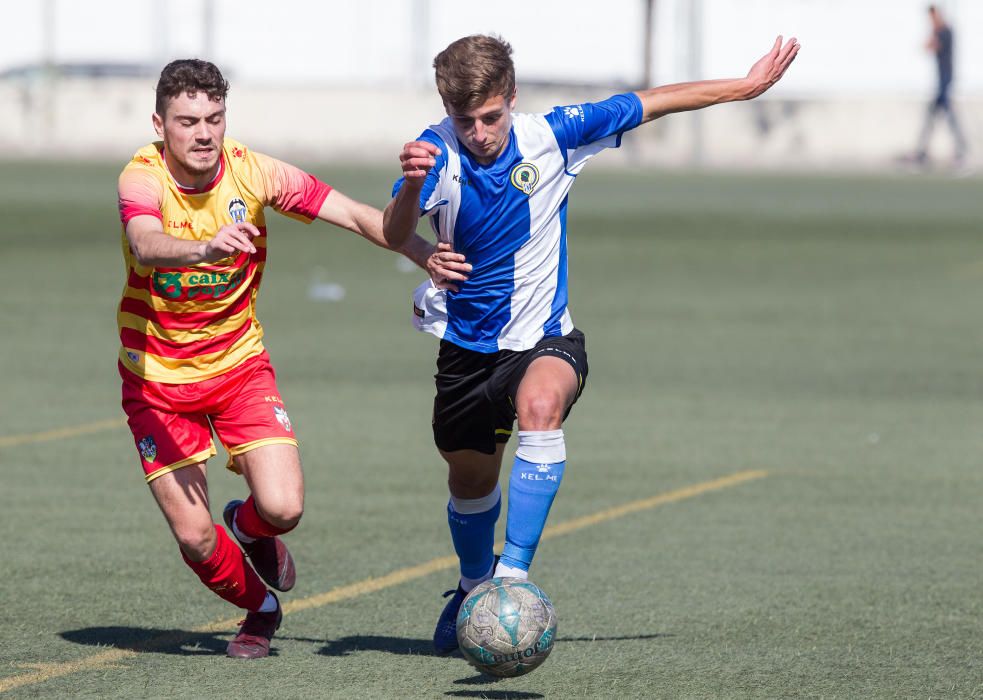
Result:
<point x="148" y="448"/>
<point x="237" y="208"/>
<point x="525" y="177"/>
<point x="573" y="112"/>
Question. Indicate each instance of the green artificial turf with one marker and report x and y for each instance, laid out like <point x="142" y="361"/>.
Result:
<point x="827" y="331"/>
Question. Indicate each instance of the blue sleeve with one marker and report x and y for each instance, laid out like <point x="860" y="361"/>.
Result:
<point x="579" y="125"/>
<point x="433" y="177"/>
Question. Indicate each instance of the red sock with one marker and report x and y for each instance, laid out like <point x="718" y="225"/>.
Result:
<point x="251" y="524"/>
<point x="228" y="575"/>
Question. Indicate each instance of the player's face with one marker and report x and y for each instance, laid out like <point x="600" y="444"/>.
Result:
<point x="193" y="129"/>
<point x="484" y="130"/>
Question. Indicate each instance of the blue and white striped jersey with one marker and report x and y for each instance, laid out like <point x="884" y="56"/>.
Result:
<point x="509" y="220"/>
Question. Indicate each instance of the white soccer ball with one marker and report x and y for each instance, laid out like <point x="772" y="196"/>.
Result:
<point x="506" y="627"/>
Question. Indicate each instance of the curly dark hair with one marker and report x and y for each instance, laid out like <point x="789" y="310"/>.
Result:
<point x="190" y="75"/>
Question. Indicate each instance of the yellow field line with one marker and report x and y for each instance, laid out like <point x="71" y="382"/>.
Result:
<point x="61" y="433"/>
<point x="44" y="672"/>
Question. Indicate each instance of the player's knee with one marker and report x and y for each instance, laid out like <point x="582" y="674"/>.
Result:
<point x="283" y="513"/>
<point x="540" y="411"/>
<point x="471" y="486"/>
<point x="196" y="541"/>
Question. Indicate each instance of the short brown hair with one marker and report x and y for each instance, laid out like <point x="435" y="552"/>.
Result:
<point x="473" y="69"/>
<point x="190" y="75"/>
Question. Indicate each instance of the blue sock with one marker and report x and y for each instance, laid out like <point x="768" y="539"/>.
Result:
<point x="536" y="475"/>
<point x="472" y="524"/>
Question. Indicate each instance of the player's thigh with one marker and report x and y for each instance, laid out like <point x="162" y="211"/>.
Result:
<point x="169" y="431"/>
<point x="252" y="414"/>
<point x="464" y="417"/>
<point x="549" y="381"/>
<point x="182" y="496"/>
<point x="276" y="481"/>
<point x="473" y="474"/>
<point x="547" y="390"/>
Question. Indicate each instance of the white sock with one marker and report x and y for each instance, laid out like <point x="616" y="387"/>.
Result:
<point x="269" y="604"/>
<point x="468" y="584"/>
<point x="505" y="571"/>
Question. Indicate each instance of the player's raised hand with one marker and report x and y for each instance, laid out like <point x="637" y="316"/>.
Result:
<point x="416" y="159"/>
<point x="446" y="267"/>
<point x="770" y="68"/>
<point x="231" y="239"/>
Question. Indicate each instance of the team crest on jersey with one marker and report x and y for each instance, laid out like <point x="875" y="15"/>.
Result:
<point x="148" y="448"/>
<point x="237" y="208"/>
<point x="525" y="177"/>
<point x="281" y="415"/>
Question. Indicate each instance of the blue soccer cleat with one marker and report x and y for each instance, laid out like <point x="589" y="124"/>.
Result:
<point x="445" y="635"/>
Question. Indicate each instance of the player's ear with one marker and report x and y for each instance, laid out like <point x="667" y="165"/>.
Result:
<point x="158" y="124"/>
<point x="515" y="94"/>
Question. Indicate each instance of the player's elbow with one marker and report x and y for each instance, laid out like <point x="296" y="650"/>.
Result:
<point x="140" y="253"/>
<point x="395" y="232"/>
<point x="396" y="237"/>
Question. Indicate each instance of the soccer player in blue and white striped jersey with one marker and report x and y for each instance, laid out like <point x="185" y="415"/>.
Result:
<point x="494" y="186"/>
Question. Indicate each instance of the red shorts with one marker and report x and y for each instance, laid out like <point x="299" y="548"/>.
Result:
<point x="170" y="422"/>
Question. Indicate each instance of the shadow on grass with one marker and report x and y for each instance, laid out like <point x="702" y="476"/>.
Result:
<point x="483" y="680"/>
<point x="186" y="643"/>
<point x="146" y="639"/>
<point x="496" y="694"/>
<point x="424" y="647"/>
<point x="629" y="638"/>
<point x="391" y="645"/>
<point x="149" y="639"/>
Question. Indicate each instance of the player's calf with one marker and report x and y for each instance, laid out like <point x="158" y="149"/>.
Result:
<point x="472" y="525"/>
<point x="537" y="472"/>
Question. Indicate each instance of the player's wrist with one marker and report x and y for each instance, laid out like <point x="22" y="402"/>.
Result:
<point x="748" y="88"/>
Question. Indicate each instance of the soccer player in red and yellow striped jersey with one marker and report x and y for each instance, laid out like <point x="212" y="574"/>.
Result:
<point x="192" y="357"/>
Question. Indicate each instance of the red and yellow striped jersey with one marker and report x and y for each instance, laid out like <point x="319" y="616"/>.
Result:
<point x="185" y="324"/>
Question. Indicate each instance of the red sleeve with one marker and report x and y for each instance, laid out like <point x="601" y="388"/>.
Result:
<point x="291" y="190"/>
<point x="140" y="194"/>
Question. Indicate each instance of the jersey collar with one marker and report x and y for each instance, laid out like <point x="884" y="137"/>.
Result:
<point x="194" y="190"/>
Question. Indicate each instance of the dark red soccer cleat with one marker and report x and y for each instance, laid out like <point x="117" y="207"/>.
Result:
<point x="269" y="555"/>
<point x="253" y="638"/>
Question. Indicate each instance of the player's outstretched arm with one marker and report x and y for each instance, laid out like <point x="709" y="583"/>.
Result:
<point x="153" y="248"/>
<point x="358" y="217"/>
<point x="684" y="97"/>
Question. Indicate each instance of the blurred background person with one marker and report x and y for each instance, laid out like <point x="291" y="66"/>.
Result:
<point x="941" y="44"/>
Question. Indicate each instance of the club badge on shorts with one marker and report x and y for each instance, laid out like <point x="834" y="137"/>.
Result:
<point x="148" y="448"/>
<point x="281" y="415"/>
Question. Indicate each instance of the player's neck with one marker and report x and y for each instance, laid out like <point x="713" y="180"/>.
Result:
<point x="488" y="160"/>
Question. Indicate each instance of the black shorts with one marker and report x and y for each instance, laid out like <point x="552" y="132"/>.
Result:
<point x="475" y="404"/>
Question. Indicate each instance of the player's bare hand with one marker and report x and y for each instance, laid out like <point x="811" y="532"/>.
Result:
<point x="416" y="159"/>
<point x="231" y="239"/>
<point x="447" y="267"/>
<point x="772" y="66"/>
